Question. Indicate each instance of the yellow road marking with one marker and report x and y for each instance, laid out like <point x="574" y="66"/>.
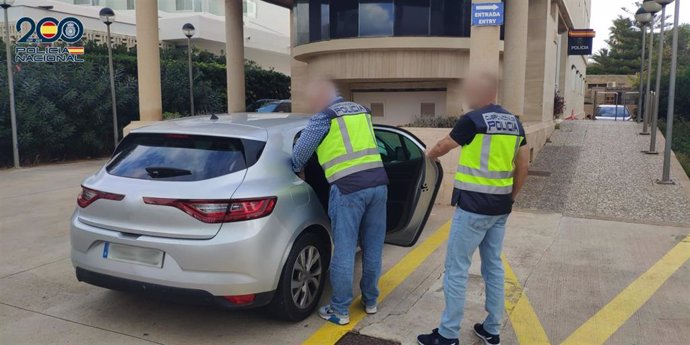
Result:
<point x="330" y="333"/>
<point x="612" y="316"/>
<point x="524" y="320"/>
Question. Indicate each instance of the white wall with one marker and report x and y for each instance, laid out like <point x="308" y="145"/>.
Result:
<point x="401" y="107"/>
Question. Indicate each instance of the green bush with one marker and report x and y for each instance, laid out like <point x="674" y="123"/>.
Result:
<point x="64" y="111"/>
<point x="433" y="122"/>
<point x="681" y="141"/>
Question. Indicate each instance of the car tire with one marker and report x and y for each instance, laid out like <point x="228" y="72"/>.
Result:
<point x="294" y="300"/>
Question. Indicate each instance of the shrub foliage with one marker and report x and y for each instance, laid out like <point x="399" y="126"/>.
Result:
<point x="64" y="111"/>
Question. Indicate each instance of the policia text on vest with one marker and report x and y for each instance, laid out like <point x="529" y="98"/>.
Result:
<point x="487" y="163"/>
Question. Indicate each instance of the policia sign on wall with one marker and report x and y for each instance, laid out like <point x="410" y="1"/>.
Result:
<point x="580" y="41"/>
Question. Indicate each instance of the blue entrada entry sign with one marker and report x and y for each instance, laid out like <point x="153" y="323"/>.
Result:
<point x="487" y="14"/>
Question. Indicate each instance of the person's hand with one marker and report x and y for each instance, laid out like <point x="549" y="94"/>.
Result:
<point x="427" y="154"/>
<point x="302" y="175"/>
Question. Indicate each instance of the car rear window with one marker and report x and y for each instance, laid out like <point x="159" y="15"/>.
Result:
<point x="181" y="157"/>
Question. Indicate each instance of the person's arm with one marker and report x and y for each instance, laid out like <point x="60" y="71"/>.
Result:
<point x="463" y="132"/>
<point x="309" y="140"/>
<point x="521" y="169"/>
<point x="442" y="147"/>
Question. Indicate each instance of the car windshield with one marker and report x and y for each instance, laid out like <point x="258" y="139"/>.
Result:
<point x="181" y="157"/>
<point x="619" y="111"/>
<point x="268" y="108"/>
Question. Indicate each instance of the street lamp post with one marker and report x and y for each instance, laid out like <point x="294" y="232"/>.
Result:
<point x="188" y="30"/>
<point x="660" y="61"/>
<point x="643" y="18"/>
<point x="6" y="4"/>
<point x="666" y="173"/>
<point x="108" y="17"/>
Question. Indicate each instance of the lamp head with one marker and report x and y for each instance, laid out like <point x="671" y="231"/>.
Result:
<point x="188" y="30"/>
<point x="651" y="6"/>
<point x="663" y="2"/>
<point x="107" y="15"/>
<point x="643" y="17"/>
<point x="6" y="3"/>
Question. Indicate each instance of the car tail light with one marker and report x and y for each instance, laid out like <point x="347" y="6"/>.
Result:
<point x="88" y="196"/>
<point x="241" y="299"/>
<point x="220" y="211"/>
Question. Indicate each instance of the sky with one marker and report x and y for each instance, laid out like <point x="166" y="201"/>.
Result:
<point x="605" y="11"/>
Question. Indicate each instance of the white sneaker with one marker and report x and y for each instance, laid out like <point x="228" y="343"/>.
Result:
<point x="371" y="310"/>
<point x="327" y="313"/>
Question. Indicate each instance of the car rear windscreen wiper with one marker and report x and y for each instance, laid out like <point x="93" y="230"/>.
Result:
<point x="164" y="172"/>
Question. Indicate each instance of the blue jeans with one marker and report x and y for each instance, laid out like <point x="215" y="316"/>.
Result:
<point x="469" y="231"/>
<point x="359" y="215"/>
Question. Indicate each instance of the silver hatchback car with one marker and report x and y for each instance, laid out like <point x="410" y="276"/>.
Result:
<point x="208" y="208"/>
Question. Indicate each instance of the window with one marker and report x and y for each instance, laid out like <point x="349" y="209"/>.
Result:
<point x="179" y="157"/>
<point x="394" y="147"/>
<point x="412" y="17"/>
<point x="428" y="110"/>
<point x="344" y="18"/>
<point x="188" y="5"/>
<point x="376" y="18"/>
<point x="451" y="17"/>
<point x="249" y="8"/>
<point x="377" y="109"/>
<point x="301" y="13"/>
<point x="317" y="20"/>
<point x="325" y="20"/>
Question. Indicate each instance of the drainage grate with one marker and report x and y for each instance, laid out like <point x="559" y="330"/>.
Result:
<point x="360" y="339"/>
<point x="539" y="173"/>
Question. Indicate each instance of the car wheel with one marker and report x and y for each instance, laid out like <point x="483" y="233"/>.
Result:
<point x="302" y="280"/>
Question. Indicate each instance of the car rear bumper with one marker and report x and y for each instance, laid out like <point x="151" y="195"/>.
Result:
<point x="239" y="260"/>
<point x="192" y="296"/>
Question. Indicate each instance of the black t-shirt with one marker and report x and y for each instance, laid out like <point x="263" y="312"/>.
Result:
<point x="463" y="133"/>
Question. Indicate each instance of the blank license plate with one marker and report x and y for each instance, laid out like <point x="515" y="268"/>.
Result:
<point x="132" y="254"/>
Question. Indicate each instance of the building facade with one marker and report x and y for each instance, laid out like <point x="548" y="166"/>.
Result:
<point x="407" y="58"/>
<point x="266" y="26"/>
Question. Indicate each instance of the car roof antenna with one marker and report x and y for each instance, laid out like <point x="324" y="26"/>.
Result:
<point x="214" y="117"/>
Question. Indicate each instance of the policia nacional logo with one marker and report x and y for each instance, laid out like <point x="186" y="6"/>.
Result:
<point x="35" y="44"/>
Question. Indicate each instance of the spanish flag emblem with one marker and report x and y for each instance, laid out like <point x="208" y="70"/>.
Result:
<point x="49" y="29"/>
<point x="75" y="50"/>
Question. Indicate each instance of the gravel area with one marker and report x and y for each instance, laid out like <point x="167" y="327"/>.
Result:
<point x="597" y="170"/>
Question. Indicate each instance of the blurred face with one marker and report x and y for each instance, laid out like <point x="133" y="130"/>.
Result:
<point x="479" y="91"/>
<point x="320" y="94"/>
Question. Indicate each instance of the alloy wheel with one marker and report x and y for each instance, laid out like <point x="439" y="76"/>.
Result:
<point x="306" y="277"/>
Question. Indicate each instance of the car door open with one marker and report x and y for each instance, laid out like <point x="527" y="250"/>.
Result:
<point x="414" y="183"/>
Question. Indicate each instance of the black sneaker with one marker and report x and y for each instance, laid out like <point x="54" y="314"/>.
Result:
<point x="489" y="339"/>
<point x="435" y="339"/>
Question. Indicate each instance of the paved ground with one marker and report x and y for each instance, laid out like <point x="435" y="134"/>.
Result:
<point x="596" y="170"/>
<point x="586" y="253"/>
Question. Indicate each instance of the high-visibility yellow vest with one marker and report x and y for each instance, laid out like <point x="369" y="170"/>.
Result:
<point x="350" y="144"/>
<point x="487" y="163"/>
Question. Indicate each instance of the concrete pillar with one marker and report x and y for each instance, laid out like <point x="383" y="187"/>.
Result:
<point x="234" y="55"/>
<point x="148" y="61"/>
<point x="515" y="56"/>
<point x="454" y="97"/>
<point x="537" y="95"/>
<point x="299" y="76"/>
<point x="484" y="47"/>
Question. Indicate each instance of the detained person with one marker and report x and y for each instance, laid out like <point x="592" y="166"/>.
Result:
<point x="342" y="136"/>
<point x="491" y="170"/>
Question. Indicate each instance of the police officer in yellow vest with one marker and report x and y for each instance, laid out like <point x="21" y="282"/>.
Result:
<point x="342" y="136"/>
<point x="491" y="169"/>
